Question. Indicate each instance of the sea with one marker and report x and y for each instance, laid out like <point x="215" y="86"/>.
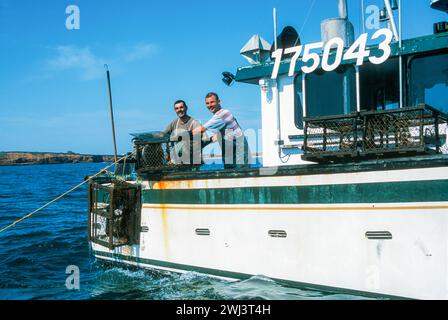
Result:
<point x="40" y="256"/>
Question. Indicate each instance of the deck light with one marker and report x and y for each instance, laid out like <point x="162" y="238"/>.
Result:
<point x="228" y="78"/>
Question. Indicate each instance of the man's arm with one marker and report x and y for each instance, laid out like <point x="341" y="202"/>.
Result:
<point x="215" y="123"/>
<point x="196" y="128"/>
<point x="199" y="129"/>
<point x="169" y="128"/>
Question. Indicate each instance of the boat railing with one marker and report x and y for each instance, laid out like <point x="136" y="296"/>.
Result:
<point x="373" y="134"/>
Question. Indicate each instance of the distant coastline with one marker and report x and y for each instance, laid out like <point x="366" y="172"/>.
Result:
<point x="22" y="158"/>
<point x="10" y="158"/>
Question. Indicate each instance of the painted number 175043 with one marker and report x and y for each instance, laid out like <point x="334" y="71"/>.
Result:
<point x="312" y="60"/>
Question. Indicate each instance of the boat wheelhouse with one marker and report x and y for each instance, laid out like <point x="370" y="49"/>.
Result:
<point x="352" y="192"/>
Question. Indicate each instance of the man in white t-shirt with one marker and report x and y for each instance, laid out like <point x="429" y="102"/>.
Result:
<point x="234" y="147"/>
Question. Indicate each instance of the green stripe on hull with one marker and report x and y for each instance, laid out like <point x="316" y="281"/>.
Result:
<point x="118" y="258"/>
<point x="390" y="192"/>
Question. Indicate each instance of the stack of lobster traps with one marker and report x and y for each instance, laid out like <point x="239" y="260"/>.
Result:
<point x="375" y="134"/>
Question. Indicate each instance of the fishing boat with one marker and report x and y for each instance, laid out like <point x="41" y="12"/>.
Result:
<point x="352" y="192"/>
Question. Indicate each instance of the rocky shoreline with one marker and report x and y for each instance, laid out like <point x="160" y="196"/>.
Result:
<point x="32" y="158"/>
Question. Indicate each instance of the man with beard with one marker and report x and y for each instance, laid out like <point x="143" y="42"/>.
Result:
<point x="187" y="147"/>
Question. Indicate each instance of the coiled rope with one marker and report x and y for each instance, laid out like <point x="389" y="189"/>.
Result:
<point x="64" y="194"/>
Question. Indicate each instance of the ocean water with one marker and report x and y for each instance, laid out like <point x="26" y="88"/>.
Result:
<point x="35" y="254"/>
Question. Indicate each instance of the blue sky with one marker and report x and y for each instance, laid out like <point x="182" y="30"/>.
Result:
<point x="53" y="90"/>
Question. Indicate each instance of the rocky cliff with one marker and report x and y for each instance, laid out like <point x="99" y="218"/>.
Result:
<point x="28" y="158"/>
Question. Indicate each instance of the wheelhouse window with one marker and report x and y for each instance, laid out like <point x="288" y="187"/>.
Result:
<point x="429" y="81"/>
<point x="331" y="93"/>
<point x="380" y="86"/>
<point x="298" y="102"/>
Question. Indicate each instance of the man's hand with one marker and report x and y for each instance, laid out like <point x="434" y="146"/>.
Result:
<point x="208" y="140"/>
<point x="198" y="130"/>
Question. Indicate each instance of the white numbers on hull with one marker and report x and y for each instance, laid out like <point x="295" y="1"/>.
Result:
<point x="312" y="60"/>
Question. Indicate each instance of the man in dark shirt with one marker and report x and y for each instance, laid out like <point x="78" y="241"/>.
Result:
<point x="187" y="147"/>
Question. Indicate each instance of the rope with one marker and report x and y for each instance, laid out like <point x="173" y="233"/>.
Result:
<point x="307" y="16"/>
<point x="63" y="195"/>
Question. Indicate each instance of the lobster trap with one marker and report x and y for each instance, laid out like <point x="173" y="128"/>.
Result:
<point x="156" y="152"/>
<point x="332" y="136"/>
<point x="388" y="133"/>
<point x="114" y="214"/>
<point x="414" y="130"/>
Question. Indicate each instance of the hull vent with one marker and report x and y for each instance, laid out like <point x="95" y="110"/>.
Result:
<point x="277" y="234"/>
<point x="379" y="235"/>
<point x="202" y="232"/>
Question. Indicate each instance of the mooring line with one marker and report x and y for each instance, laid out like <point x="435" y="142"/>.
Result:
<point x="64" y="194"/>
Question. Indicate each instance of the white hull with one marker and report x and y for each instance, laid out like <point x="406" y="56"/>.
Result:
<point x="326" y="245"/>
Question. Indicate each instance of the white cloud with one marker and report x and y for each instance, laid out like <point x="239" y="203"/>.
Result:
<point x="90" y="66"/>
<point x="82" y="60"/>
<point x="140" y="51"/>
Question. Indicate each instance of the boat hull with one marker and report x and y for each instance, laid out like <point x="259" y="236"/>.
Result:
<point x="373" y="232"/>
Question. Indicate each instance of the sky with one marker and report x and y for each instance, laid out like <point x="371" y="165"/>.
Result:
<point x="53" y="87"/>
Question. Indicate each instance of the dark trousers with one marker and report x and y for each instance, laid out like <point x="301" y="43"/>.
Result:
<point x="235" y="153"/>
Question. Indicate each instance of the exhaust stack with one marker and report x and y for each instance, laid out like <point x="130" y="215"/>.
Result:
<point x="338" y="27"/>
<point x="343" y="9"/>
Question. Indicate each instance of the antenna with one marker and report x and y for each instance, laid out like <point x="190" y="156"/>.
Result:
<point x="363" y="17"/>
<point x="277" y="95"/>
<point x="274" y="13"/>
<point x="111" y="112"/>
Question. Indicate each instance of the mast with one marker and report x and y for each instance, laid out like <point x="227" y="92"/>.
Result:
<point x="111" y="112"/>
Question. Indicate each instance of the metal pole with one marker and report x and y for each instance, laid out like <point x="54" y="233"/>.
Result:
<point x="391" y="19"/>
<point x="400" y="24"/>
<point x="358" y="90"/>
<point x="363" y="18"/>
<point x="277" y="88"/>
<point x="401" y="57"/>
<point x="111" y="112"/>
<point x="274" y="13"/>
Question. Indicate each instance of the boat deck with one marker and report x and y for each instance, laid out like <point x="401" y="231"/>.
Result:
<point x="413" y="162"/>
